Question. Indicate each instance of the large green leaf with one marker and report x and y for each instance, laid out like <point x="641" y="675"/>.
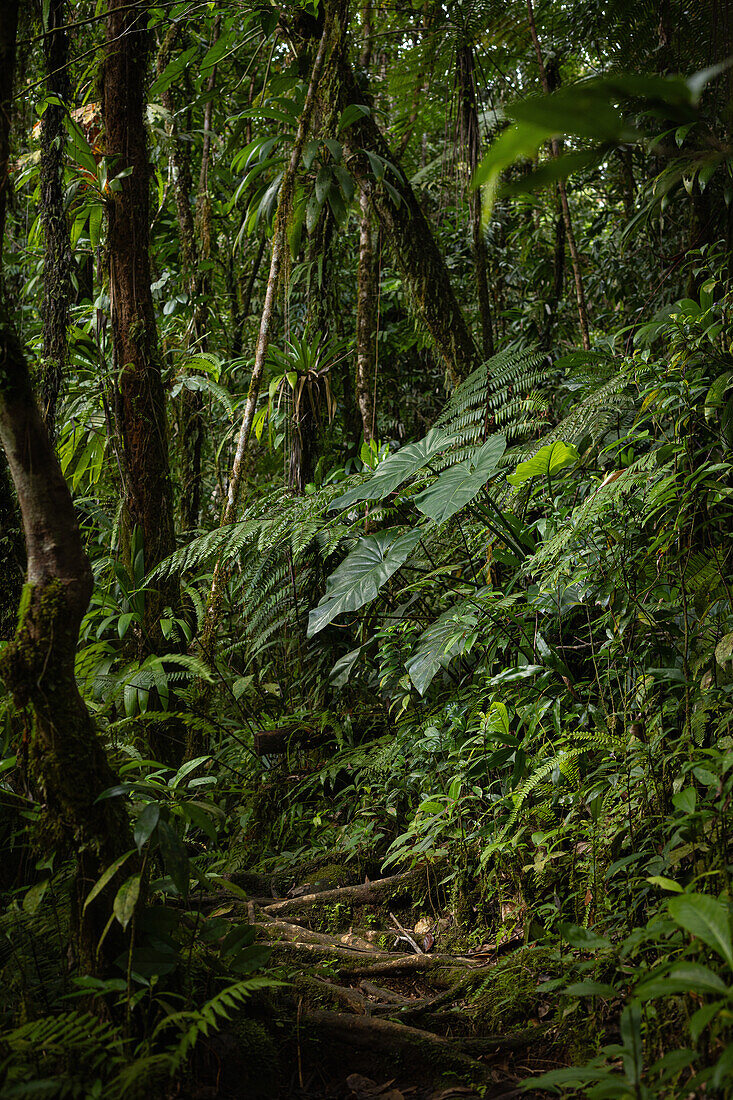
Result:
<point x="548" y="461"/>
<point x="686" y="978"/>
<point x="458" y="485"/>
<point x="360" y="576"/>
<point x="444" y="639"/>
<point x="705" y="918"/>
<point x="396" y="469"/>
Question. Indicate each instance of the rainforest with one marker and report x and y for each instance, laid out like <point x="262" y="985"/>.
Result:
<point x="366" y="574"/>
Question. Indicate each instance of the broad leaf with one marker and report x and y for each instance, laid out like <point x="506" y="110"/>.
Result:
<point x="106" y="876"/>
<point x="360" y="576"/>
<point x="393" y="471"/>
<point x="705" y="918"/>
<point x="145" y="824"/>
<point x="126" y="900"/>
<point x="458" y="485"/>
<point x="175" y="857"/>
<point x="548" y="461"/>
<point x="341" y="671"/>
<point x="686" y="978"/>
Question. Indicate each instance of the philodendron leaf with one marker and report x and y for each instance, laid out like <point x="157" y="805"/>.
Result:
<point x="706" y="918"/>
<point x="548" y="461"/>
<point x="339" y="674"/>
<point x="448" y="636"/>
<point x="360" y="576"/>
<point x="396" y="469"/>
<point x="458" y="485"/>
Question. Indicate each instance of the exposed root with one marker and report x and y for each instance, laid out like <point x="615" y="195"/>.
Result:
<point x="281" y="930"/>
<point x="377" y="1034"/>
<point x="363" y="892"/>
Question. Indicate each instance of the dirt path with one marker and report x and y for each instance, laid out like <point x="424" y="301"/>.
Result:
<point x="379" y="1009"/>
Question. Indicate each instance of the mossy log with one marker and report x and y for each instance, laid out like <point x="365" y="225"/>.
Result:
<point x="363" y="893"/>
<point x="356" y="963"/>
<point x="394" y="1039"/>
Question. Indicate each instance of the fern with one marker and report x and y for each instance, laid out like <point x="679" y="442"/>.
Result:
<point x="209" y="1017"/>
<point x="503" y="394"/>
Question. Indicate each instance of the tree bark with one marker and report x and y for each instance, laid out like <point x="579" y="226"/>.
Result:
<point x="366" y="322"/>
<point x="562" y="191"/>
<point x="139" y="399"/>
<point x="57" y="257"/>
<point x="470" y="141"/>
<point x="416" y="252"/>
<point x="11" y="555"/>
<point x="67" y="763"/>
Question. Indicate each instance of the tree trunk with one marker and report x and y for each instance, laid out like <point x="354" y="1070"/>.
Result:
<point x="57" y="257"/>
<point x="139" y="400"/>
<point x="406" y="228"/>
<point x="366" y="322"/>
<point x="558" y="282"/>
<point x="67" y="764"/>
<point x="562" y="191"/>
<point x="11" y="556"/>
<point x="470" y="142"/>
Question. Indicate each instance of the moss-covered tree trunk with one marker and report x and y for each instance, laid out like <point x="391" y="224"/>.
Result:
<point x="66" y="762"/>
<point x="139" y="399"/>
<point x="470" y="142"/>
<point x="366" y="322"/>
<point x="406" y="229"/>
<point x="57" y="247"/>
<point x="11" y="555"/>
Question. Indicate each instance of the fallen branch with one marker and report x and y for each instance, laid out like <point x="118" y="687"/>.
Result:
<point x="413" y="943"/>
<point x="279" y="929"/>
<point x="386" y="995"/>
<point x="362" y="892"/>
<point x="356" y="962"/>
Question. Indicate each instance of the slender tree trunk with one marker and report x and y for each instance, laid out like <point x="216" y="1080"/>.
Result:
<point x="366" y="322"/>
<point x="558" y="282"/>
<point x="562" y="191"/>
<point x="244" y="305"/>
<point x="67" y="763"/>
<point x="279" y="244"/>
<point x="139" y="400"/>
<point x="470" y="141"/>
<point x="194" y="230"/>
<point x="57" y="258"/>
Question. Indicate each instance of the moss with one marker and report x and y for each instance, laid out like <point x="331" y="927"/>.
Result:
<point x="329" y="876"/>
<point x="66" y="762"/>
<point x="509" y="997"/>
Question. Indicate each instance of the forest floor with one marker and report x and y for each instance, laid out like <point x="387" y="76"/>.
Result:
<point x="388" y="1002"/>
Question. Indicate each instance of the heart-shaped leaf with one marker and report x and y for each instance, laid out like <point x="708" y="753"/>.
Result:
<point x="458" y="485"/>
<point x="360" y="576"/>
<point x="393" y="471"/>
<point x="548" y="461"/>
